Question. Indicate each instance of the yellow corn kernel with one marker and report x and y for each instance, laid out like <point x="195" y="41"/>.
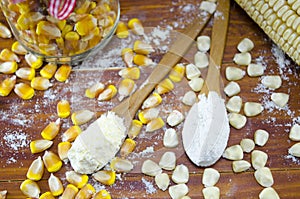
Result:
<point x="7" y="85"/>
<point x="126" y="87"/>
<point x="69" y="192"/>
<point x="164" y="86"/>
<point x="8" y="67"/>
<point x="43" y="39"/>
<point x="95" y="40"/>
<point x="25" y="73"/>
<point x="52" y="161"/>
<point x="33" y="61"/>
<point x="121" y="165"/>
<point x="48" y="29"/>
<point x="142" y="60"/>
<point x="143" y="48"/>
<point x="106" y="177"/>
<point x="47" y="195"/>
<point x="30" y="188"/>
<point x="63" y="109"/>
<point x="63" y="148"/>
<point x="127" y="147"/>
<point x="92" y="34"/>
<point x="71" y="134"/>
<point x="18" y="48"/>
<point x="76" y="179"/>
<point x="127" y="56"/>
<point x="66" y="29"/>
<point x="94" y="90"/>
<point x="85" y="25"/>
<point x="108" y="93"/>
<point x="24" y="91"/>
<point x="51" y="130"/>
<point x="122" y="30"/>
<point x="131" y="73"/>
<point x="152" y="101"/>
<point x="38" y="146"/>
<point x="72" y="37"/>
<point x="5" y="31"/>
<point x="102" y="194"/>
<point x="84" y="7"/>
<point x="62" y="74"/>
<point x="177" y="73"/>
<point x="135" y="129"/>
<point x="36" y="169"/>
<point x="47" y="49"/>
<point x="82" y="117"/>
<point x="55" y="185"/>
<point x="23" y="22"/>
<point x="60" y="42"/>
<point x="40" y="83"/>
<point x="48" y="70"/>
<point x="136" y="26"/>
<point x="8" y="55"/>
<point x="146" y="115"/>
<point x="86" y="192"/>
<point x="155" y="124"/>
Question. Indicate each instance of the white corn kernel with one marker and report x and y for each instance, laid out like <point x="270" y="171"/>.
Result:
<point x="232" y="88"/>
<point x="162" y="180"/>
<point x="237" y="120"/>
<point x="245" y="45"/>
<point x="234" y="73"/>
<point x="192" y="71"/>
<point x="234" y="104"/>
<point x="211" y="193"/>
<point x="196" y="84"/>
<point x="189" y="98"/>
<point x="178" y="191"/>
<point x="272" y="81"/>
<point x="295" y="150"/>
<point x="180" y="174"/>
<point x="201" y="59"/>
<point x="240" y="166"/>
<point x="5" y="31"/>
<point x="242" y="59"/>
<point x="203" y="43"/>
<point x="175" y="118"/>
<point x="258" y="159"/>
<point x="252" y="109"/>
<point x="295" y="133"/>
<point x="234" y="152"/>
<point x="150" y="168"/>
<point x="261" y="137"/>
<point x="255" y="70"/>
<point x="210" y="177"/>
<point x="280" y="99"/>
<point x="247" y="145"/>
<point x="121" y="165"/>
<point x="3" y="194"/>
<point x="170" y="139"/>
<point x="264" y="177"/>
<point x="208" y="6"/>
<point x="168" y="161"/>
<point x="268" y="193"/>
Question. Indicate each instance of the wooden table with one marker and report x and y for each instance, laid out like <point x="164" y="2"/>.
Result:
<point x="22" y="121"/>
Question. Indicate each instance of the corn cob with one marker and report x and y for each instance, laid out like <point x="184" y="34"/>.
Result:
<point x="7" y="85"/>
<point x="280" y="21"/>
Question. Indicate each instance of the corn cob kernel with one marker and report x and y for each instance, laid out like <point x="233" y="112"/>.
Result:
<point x="51" y="130"/>
<point x="71" y="134"/>
<point x="152" y="101"/>
<point x="36" y="169"/>
<point x="108" y="93"/>
<point x="72" y="37"/>
<point x="82" y="117"/>
<point x="121" y="165"/>
<point x="55" y="185"/>
<point x="136" y="26"/>
<point x="127" y="147"/>
<point x="8" y="67"/>
<point x="146" y="115"/>
<point x="63" y="109"/>
<point x="38" y="146"/>
<point x="155" y="124"/>
<point x="126" y="87"/>
<point x="84" y="8"/>
<point x="106" y="177"/>
<point x="48" y="29"/>
<point x="26" y="73"/>
<point x="40" y="83"/>
<point x="102" y="194"/>
<point x="177" y="73"/>
<point x="143" y="48"/>
<point x="69" y="192"/>
<point x="8" y="55"/>
<point x="65" y="30"/>
<point x="86" y="192"/>
<point x="7" y="85"/>
<point x="52" y="161"/>
<point x="63" y="148"/>
<point x="130" y="73"/>
<point x="47" y="195"/>
<point x="30" y="188"/>
<point x="24" y="91"/>
<point x="33" y="61"/>
<point x="62" y="74"/>
<point x="48" y="70"/>
<point x="94" y="90"/>
<point x="165" y="86"/>
<point x="76" y="179"/>
<point x="85" y="25"/>
<point x="142" y="60"/>
<point x="127" y="56"/>
<point x="5" y="31"/>
<point x="135" y="129"/>
<point x="122" y="30"/>
<point x="3" y="194"/>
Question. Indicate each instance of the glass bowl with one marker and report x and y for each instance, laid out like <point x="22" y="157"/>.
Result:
<point x="89" y="27"/>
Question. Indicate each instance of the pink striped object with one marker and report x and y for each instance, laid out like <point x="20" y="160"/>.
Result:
<point x="61" y="9"/>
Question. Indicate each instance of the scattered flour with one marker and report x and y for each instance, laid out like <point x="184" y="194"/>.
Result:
<point x="150" y="189"/>
<point x="16" y="140"/>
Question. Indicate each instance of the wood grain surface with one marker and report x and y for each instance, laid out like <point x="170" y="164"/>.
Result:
<point x="28" y="118"/>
